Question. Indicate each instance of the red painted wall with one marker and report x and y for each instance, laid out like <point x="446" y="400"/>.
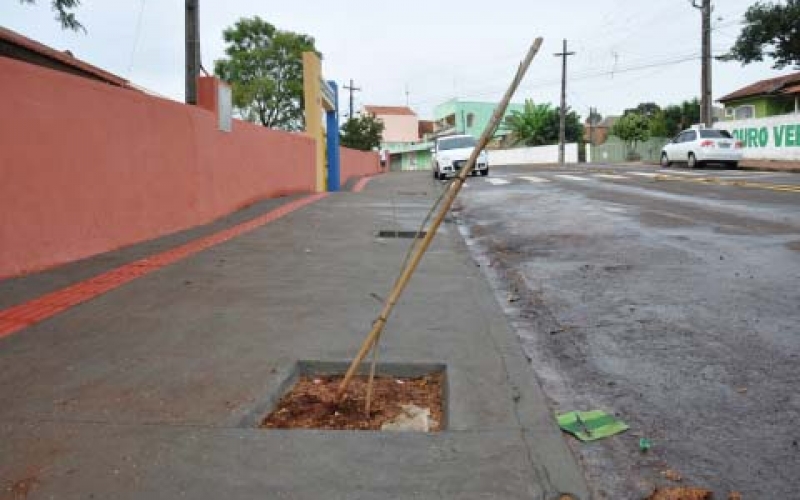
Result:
<point x="354" y="163"/>
<point x="86" y="167"/>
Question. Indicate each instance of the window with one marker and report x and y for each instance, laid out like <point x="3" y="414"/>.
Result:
<point x="710" y="133"/>
<point x="456" y="143"/>
<point x="729" y="112"/>
<point x="745" y="112"/>
<point x="470" y="119"/>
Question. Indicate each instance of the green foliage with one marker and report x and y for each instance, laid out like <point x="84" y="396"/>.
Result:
<point x="681" y="116"/>
<point x="264" y="66"/>
<point x="771" y="29"/>
<point x="362" y="132"/>
<point x="658" y="125"/>
<point x="538" y="124"/>
<point x="667" y="122"/>
<point x="62" y="9"/>
<point x="647" y="109"/>
<point x="632" y="128"/>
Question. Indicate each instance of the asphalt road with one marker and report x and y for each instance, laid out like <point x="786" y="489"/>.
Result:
<point x="668" y="297"/>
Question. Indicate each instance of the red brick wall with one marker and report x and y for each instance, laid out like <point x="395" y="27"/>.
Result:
<point x="86" y="167"/>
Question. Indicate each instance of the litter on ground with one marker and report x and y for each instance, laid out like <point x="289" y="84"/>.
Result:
<point x="591" y="425"/>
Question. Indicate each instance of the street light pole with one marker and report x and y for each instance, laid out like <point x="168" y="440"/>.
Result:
<point x="562" y="126"/>
<point x="706" y="106"/>
<point x="192" y="36"/>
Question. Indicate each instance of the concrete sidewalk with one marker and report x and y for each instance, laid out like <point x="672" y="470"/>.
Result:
<point x="150" y="390"/>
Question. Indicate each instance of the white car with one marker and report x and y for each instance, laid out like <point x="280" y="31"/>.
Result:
<point x="699" y="145"/>
<point x="451" y="153"/>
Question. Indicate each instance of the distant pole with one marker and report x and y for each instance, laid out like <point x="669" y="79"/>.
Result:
<point x="352" y="88"/>
<point x="706" y="109"/>
<point x="562" y="126"/>
<point x="192" y="36"/>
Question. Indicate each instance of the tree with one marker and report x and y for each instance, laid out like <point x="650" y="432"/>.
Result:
<point x="771" y="29"/>
<point x="632" y="128"/>
<point x="659" y="126"/>
<point x="362" y="132"/>
<point x="264" y="66"/>
<point x="63" y="14"/>
<point x="646" y="109"/>
<point x="537" y="125"/>
<point x="681" y="116"/>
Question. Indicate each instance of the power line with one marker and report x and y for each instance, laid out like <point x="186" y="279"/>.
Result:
<point x="581" y="75"/>
<point x="136" y="37"/>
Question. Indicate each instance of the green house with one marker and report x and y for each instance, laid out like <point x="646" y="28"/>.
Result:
<point x="775" y="96"/>
<point x="467" y="117"/>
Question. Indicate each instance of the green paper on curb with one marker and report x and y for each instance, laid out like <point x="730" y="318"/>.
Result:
<point x="590" y="425"/>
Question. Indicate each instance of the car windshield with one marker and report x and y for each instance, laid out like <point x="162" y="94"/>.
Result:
<point x="714" y="134"/>
<point x="456" y="143"/>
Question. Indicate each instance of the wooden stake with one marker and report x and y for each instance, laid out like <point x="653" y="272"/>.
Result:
<point x="371" y="378"/>
<point x="453" y="190"/>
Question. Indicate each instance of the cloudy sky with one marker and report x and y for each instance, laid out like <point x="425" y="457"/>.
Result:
<point x="425" y="52"/>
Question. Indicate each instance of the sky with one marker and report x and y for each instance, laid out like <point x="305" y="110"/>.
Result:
<point x="426" y="52"/>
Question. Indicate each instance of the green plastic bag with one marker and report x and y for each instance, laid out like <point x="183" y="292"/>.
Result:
<point x="591" y="425"/>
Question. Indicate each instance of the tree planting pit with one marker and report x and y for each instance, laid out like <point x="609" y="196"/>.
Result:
<point x="404" y="397"/>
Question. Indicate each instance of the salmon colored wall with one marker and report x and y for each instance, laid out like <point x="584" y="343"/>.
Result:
<point x="86" y="167"/>
<point x="354" y="163"/>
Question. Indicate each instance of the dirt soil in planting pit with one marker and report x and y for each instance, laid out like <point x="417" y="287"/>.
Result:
<point x="311" y="402"/>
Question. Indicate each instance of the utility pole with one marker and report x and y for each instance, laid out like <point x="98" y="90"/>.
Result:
<point x="192" y="49"/>
<point x="352" y="88"/>
<point x="706" y="109"/>
<point x="562" y="127"/>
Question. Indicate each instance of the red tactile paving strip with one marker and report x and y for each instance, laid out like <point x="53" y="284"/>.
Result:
<point x="359" y="186"/>
<point x="29" y="313"/>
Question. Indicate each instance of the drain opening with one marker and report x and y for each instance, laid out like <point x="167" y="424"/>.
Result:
<point x="405" y="397"/>
<point x="401" y="234"/>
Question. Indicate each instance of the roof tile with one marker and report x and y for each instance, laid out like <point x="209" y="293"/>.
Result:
<point x="764" y="87"/>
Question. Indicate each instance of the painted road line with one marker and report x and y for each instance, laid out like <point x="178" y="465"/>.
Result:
<point x="789" y="188"/>
<point x="644" y="174"/>
<point x="535" y="180"/>
<point x="679" y="172"/>
<point x="571" y="177"/>
<point x="29" y="313"/>
<point x="610" y="176"/>
<point x="497" y="182"/>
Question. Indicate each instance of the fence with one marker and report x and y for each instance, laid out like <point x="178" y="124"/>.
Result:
<point x="617" y="151"/>
<point x="532" y="155"/>
<point x="87" y="167"/>
<point x="358" y="163"/>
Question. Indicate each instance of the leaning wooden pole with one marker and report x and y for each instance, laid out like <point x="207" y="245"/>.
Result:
<point x="447" y="202"/>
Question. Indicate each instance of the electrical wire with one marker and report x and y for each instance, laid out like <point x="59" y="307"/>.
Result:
<point x="136" y="37"/>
